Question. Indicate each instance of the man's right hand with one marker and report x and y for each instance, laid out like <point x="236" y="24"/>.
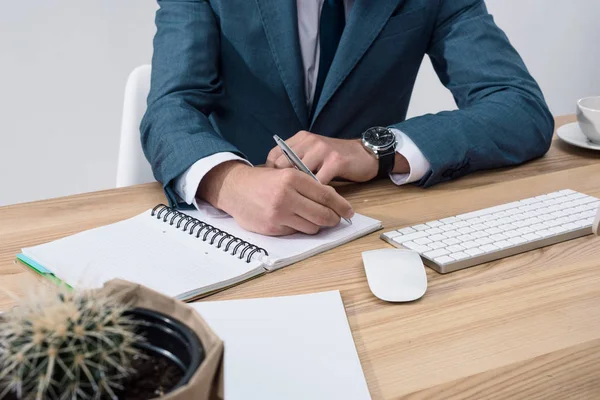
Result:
<point x="271" y="201"/>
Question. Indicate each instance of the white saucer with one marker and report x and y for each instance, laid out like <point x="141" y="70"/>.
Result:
<point x="571" y="133"/>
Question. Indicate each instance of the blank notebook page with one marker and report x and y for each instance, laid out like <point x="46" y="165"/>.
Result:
<point x="142" y="250"/>
<point x="294" y="347"/>
<point x="289" y="249"/>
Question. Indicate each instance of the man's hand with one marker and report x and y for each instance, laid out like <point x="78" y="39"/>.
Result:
<point x="331" y="158"/>
<point x="273" y="201"/>
<point x="328" y="158"/>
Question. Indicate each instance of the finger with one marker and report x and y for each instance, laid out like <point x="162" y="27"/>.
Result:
<point x="300" y="224"/>
<point x="313" y="160"/>
<point x="283" y="162"/>
<point x="314" y="212"/>
<point x="298" y="138"/>
<point x="274" y="154"/>
<point x="324" y="195"/>
<point x="327" y="172"/>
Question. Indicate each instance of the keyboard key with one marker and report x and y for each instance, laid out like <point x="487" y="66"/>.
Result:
<point x="571" y="226"/>
<point x="452" y="234"/>
<point x="503" y="244"/>
<point x="488" y="248"/>
<point x="532" y="237"/>
<point x="558" y="229"/>
<point x="466" y="238"/>
<point x="421" y="227"/>
<point x="459" y="256"/>
<point x="434" y="231"/>
<point x="422" y="241"/>
<point x="437" y="238"/>
<point x="470" y="245"/>
<point x="493" y="231"/>
<point x="584" y="223"/>
<point x="434" y="224"/>
<point x="539" y="227"/>
<point x="517" y="240"/>
<point x="437" y="245"/>
<point x="498" y="237"/>
<point x="507" y="227"/>
<point x="566" y="192"/>
<point x="455" y="248"/>
<point x="409" y="237"/>
<point x="528" y="201"/>
<point x="406" y="231"/>
<point x="447" y="228"/>
<point x="512" y="234"/>
<point x="450" y="220"/>
<point x="473" y="252"/>
<point x="392" y="234"/>
<point x="466" y="230"/>
<point x="479" y="227"/>
<point x="534" y="220"/>
<point x="525" y="231"/>
<point x="461" y="224"/>
<point x="484" y="241"/>
<point x="544" y="233"/>
<point x="416" y="247"/>
<point x="451" y="241"/>
<point x="444" y="260"/>
<point x="480" y="234"/>
<point x="554" y="195"/>
<point x="493" y="223"/>
<point x="436" y="253"/>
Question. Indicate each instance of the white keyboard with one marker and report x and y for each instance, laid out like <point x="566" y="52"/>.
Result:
<point x="477" y="237"/>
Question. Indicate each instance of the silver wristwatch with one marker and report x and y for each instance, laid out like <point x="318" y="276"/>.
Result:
<point x="382" y="143"/>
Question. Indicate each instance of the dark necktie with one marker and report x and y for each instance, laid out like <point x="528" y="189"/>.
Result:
<point x="331" y="27"/>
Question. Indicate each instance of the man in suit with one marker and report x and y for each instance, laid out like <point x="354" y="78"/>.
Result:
<point x="334" y="79"/>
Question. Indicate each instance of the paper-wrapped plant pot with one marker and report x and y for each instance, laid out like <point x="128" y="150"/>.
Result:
<point x="206" y="382"/>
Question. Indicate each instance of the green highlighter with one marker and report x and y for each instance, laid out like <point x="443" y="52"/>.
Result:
<point x="40" y="269"/>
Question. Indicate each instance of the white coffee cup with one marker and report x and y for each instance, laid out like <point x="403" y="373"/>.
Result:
<point x="588" y="116"/>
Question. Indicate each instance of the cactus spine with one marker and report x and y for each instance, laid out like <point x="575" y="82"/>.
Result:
<point x="66" y="345"/>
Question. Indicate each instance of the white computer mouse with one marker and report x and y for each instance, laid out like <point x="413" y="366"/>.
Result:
<point x="395" y="275"/>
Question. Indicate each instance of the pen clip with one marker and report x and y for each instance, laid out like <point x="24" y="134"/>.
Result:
<point x="290" y="159"/>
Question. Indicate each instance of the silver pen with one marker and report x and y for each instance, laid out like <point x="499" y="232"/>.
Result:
<point x="297" y="162"/>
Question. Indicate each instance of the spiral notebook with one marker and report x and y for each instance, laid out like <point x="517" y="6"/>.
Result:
<point x="183" y="255"/>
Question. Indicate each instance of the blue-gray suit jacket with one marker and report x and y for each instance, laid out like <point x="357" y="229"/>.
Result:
<point x="227" y="75"/>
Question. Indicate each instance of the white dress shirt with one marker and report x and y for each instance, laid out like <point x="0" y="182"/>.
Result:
<point x="309" y="14"/>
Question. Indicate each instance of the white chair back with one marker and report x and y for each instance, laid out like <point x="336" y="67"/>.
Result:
<point x="133" y="168"/>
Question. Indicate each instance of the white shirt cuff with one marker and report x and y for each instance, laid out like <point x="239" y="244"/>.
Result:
<point x="186" y="185"/>
<point x="417" y="163"/>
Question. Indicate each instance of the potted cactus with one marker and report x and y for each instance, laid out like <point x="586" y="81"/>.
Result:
<point x="123" y="341"/>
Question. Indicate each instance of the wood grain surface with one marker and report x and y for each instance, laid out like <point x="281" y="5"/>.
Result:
<point x="526" y="327"/>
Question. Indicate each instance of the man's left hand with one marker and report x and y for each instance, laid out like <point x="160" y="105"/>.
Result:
<point x="328" y="158"/>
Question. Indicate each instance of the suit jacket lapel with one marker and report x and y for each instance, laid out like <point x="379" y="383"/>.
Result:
<point x="366" y="20"/>
<point x="280" y="21"/>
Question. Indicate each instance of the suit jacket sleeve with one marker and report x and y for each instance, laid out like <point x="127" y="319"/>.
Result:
<point x="502" y="118"/>
<point x="176" y="130"/>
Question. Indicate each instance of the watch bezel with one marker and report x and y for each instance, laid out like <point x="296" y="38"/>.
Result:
<point x="376" y="150"/>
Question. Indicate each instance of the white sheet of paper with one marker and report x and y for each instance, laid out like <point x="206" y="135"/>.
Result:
<point x="293" y="347"/>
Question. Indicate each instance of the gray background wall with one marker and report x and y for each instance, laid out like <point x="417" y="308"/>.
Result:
<point x="64" y="64"/>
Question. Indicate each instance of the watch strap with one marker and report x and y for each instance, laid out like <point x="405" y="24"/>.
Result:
<point x="386" y="163"/>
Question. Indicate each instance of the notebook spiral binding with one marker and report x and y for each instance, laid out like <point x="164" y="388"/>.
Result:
<point x="193" y="225"/>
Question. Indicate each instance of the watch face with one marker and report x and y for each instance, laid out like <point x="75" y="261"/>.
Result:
<point x="379" y="137"/>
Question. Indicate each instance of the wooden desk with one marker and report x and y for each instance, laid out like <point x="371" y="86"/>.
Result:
<point x="524" y="327"/>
